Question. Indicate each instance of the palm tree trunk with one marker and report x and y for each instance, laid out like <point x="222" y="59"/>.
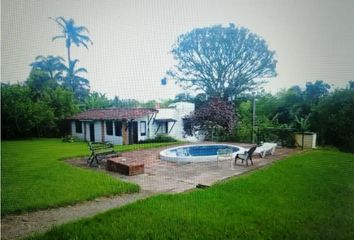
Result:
<point x="69" y="55"/>
<point x="69" y="72"/>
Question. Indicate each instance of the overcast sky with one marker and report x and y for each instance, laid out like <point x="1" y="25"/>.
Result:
<point x="313" y="39"/>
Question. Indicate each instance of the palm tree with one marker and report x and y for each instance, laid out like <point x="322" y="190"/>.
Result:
<point x="53" y="65"/>
<point x="73" y="81"/>
<point x="72" y="34"/>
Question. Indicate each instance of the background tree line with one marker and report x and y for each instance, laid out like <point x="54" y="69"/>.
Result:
<point x="226" y="66"/>
<point x="316" y="108"/>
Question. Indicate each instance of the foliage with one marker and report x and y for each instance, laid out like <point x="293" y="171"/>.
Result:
<point x="215" y="118"/>
<point x="35" y="108"/>
<point x="222" y="61"/>
<point x="96" y="100"/>
<point x="302" y="123"/>
<point x="243" y="128"/>
<point x="315" y="91"/>
<point x="38" y="81"/>
<point x="68" y="139"/>
<point x="351" y="84"/>
<point x="36" y="179"/>
<point x="52" y="65"/>
<point x="306" y="196"/>
<point x="16" y="111"/>
<point x="75" y="82"/>
<point x="183" y="97"/>
<point x="124" y="103"/>
<point x="333" y="119"/>
<point x="160" y="138"/>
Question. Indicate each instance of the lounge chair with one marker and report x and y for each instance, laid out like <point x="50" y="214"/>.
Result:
<point x="246" y="156"/>
<point x="266" y="148"/>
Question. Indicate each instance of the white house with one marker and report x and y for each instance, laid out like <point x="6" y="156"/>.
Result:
<point x="130" y="125"/>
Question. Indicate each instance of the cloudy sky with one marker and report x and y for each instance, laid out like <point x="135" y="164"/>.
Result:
<point x="313" y="39"/>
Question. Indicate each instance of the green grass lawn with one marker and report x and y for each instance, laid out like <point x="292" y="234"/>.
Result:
<point x="306" y="196"/>
<point x="32" y="177"/>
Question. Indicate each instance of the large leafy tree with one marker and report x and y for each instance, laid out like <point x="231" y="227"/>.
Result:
<point x="332" y="119"/>
<point x="222" y="61"/>
<point x="315" y="91"/>
<point x="38" y="81"/>
<point x="77" y="35"/>
<point x="36" y="107"/>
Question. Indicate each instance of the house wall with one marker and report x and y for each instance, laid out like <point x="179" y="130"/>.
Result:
<point x="117" y="140"/>
<point x="98" y="130"/>
<point x="176" y="111"/>
<point x="74" y="133"/>
<point x="87" y="131"/>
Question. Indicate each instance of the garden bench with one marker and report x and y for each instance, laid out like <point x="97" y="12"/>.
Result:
<point x="100" y="151"/>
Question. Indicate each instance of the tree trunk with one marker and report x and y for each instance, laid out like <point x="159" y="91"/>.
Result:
<point x="69" y="72"/>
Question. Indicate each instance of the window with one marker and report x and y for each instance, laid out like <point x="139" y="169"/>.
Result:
<point x="166" y="127"/>
<point x="118" y="128"/>
<point x="143" y="128"/>
<point x="109" y="128"/>
<point x="78" y="127"/>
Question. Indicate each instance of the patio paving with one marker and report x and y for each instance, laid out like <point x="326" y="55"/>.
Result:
<point x="162" y="176"/>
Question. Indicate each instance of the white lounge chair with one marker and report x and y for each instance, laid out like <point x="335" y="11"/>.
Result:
<point x="266" y="148"/>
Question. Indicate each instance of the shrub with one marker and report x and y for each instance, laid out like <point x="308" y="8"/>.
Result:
<point x="159" y="139"/>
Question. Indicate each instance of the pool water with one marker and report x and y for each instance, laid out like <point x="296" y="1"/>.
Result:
<point x="200" y="150"/>
<point x="197" y="153"/>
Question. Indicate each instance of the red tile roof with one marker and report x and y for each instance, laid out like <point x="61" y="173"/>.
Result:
<point x="113" y="113"/>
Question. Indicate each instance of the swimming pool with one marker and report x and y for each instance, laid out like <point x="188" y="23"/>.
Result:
<point x="197" y="153"/>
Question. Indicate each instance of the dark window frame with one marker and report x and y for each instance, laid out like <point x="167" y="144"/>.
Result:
<point x="166" y="127"/>
<point x="78" y="126"/>
<point x="118" y="126"/>
<point x="109" y="128"/>
<point x="143" y="123"/>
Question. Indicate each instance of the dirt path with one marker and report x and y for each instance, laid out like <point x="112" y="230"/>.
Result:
<point x="18" y="226"/>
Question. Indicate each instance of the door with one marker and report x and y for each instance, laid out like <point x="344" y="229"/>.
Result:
<point x="92" y="132"/>
<point x="133" y="132"/>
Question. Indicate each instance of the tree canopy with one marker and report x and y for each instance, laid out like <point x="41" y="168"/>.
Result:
<point x="222" y="61"/>
<point x="53" y="65"/>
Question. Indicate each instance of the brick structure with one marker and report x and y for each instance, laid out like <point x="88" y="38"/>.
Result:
<point x="126" y="167"/>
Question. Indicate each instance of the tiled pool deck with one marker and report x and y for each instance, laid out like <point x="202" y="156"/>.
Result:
<point x="162" y="176"/>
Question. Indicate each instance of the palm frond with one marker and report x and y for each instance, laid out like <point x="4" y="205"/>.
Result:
<point x="57" y="37"/>
<point x="82" y="29"/>
<point x="80" y="70"/>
